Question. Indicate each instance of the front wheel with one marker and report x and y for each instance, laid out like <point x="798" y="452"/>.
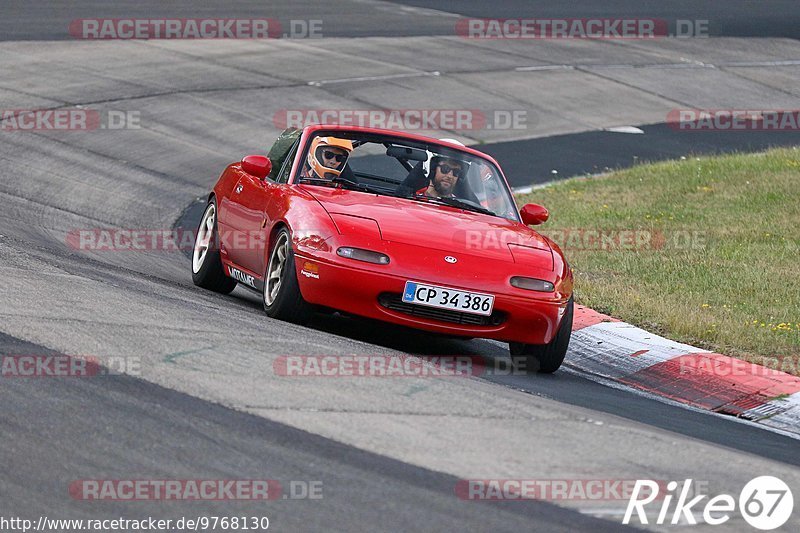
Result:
<point x="207" y="269"/>
<point x="546" y="358"/>
<point x="281" y="295"/>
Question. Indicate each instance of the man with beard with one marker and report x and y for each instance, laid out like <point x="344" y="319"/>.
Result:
<point x="445" y="174"/>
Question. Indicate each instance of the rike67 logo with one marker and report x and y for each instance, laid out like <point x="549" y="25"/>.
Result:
<point x="765" y="503"/>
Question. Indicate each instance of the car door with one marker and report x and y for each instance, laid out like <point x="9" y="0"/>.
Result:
<point x="257" y="207"/>
<point x="246" y="244"/>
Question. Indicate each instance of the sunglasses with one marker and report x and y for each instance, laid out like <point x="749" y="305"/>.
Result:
<point x="456" y="171"/>
<point x="340" y="158"/>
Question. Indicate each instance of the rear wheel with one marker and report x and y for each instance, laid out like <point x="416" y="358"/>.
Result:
<point x="281" y="295"/>
<point x="207" y="269"/>
<point x="546" y="358"/>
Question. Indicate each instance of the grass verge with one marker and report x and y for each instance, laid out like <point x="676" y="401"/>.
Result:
<point x="701" y="250"/>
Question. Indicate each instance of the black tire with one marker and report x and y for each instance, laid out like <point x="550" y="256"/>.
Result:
<point x="546" y="358"/>
<point x="288" y="304"/>
<point x="208" y="272"/>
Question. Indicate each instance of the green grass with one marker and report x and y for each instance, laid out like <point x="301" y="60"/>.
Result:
<point x="724" y="270"/>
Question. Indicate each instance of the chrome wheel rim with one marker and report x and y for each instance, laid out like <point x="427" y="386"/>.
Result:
<point x="202" y="241"/>
<point x="277" y="262"/>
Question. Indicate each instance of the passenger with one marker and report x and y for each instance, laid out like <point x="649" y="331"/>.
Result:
<point x="445" y="173"/>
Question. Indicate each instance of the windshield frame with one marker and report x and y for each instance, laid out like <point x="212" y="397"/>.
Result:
<point x="385" y="136"/>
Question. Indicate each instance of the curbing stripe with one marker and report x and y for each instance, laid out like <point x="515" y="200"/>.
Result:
<point x="585" y="317"/>
<point x="783" y="414"/>
<point x="714" y="382"/>
<point x="618" y="349"/>
<point x="604" y="346"/>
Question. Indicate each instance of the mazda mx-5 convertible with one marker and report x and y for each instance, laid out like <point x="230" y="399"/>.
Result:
<point x="390" y="226"/>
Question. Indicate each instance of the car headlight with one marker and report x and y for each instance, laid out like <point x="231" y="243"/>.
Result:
<point x="532" y="284"/>
<point x="367" y="256"/>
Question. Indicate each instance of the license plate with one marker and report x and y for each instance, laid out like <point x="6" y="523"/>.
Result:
<point x="446" y="298"/>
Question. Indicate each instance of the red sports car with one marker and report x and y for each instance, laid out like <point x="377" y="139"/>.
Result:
<point x="391" y="226"/>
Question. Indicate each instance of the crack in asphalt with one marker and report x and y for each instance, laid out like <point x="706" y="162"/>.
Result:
<point x="404" y="413"/>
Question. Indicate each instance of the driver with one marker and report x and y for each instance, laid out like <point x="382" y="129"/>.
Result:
<point x="327" y="157"/>
<point x="444" y="177"/>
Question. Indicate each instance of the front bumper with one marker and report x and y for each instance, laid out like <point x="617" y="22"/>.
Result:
<point x="363" y="291"/>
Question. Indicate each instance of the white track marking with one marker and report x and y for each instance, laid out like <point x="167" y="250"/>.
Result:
<point x="375" y="78"/>
<point x="625" y="129"/>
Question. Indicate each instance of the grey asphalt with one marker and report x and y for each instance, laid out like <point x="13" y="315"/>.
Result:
<point x="594" y="152"/>
<point x="733" y="18"/>
<point x="207" y="401"/>
<point x="353" y="18"/>
<point x="118" y="427"/>
<point x="50" y="20"/>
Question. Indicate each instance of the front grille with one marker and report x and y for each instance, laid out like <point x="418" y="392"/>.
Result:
<point x="394" y="302"/>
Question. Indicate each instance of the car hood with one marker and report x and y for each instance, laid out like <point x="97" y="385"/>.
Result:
<point x="433" y="226"/>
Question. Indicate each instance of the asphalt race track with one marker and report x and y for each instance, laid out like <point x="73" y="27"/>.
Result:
<point x="204" y="401"/>
<point x="734" y="18"/>
<point x="349" y="18"/>
<point x="140" y="427"/>
<point x="594" y="152"/>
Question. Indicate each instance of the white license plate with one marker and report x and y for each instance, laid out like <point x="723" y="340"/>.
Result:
<point x="445" y="298"/>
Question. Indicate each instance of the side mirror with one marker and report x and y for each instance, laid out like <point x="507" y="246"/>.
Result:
<point x="257" y="165"/>
<point x="534" y="214"/>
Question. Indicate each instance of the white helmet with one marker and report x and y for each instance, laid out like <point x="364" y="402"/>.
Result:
<point x="427" y="164"/>
<point x="453" y="141"/>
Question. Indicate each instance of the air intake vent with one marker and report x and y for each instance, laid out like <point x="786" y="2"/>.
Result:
<point x="395" y="303"/>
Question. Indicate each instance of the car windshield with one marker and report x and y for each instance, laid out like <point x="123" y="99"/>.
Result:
<point x="394" y="166"/>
